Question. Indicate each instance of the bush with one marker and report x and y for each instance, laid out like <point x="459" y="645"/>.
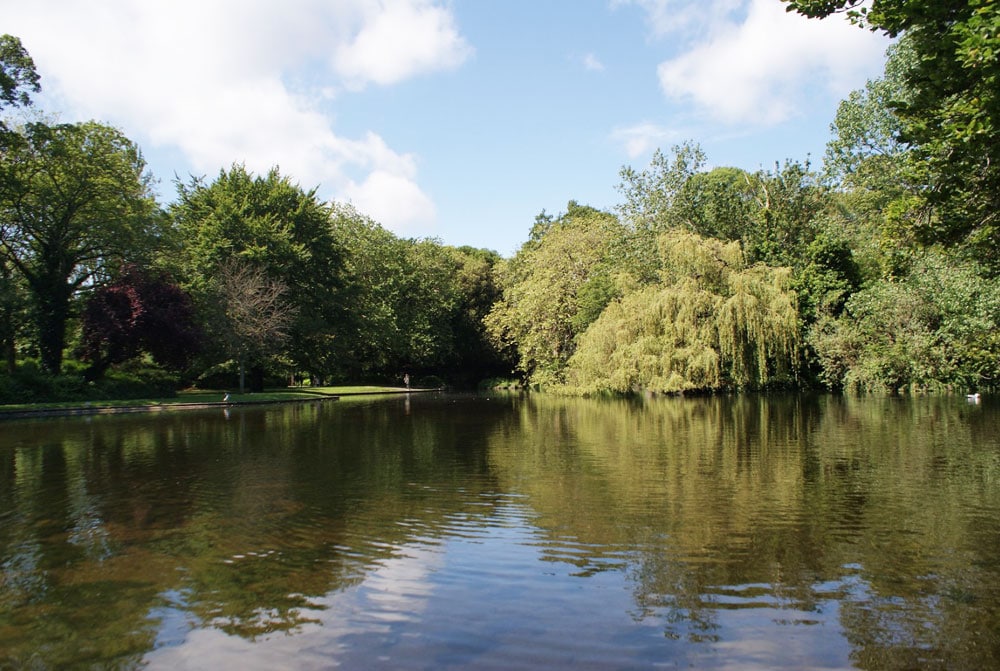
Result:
<point x="29" y="385"/>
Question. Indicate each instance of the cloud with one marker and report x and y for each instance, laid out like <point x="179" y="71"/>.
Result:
<point x="387" y="196"/>
<point x="760" y="70"/>
<point x="248" y="81"/>
<point x="398" y="40"/>
<point x="592" y="63"/>
<point x="671" y="17"/>
<point x="642" y="138"/>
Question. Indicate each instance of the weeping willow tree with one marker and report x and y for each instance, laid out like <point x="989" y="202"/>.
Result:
<point x="712" y="322"/>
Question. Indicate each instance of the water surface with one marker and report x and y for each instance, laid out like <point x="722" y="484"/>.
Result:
<point x="506" y="532"/>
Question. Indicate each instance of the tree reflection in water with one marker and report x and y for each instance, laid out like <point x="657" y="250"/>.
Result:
<point x="465" y="531"/>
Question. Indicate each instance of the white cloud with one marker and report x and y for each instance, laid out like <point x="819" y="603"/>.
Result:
<point x="760" y="69"/>
<point x="391" y="197"/>
<point x="399" y="39"/>
<point x="593" y="63"/>
<point x="642" y="138"/>
<point x="209" y="80"/>
<point x="670" y="17"/>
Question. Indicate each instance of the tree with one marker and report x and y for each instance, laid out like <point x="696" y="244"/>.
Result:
<point x="75" y="203"/>
<point x="139" y="312"/>
<point x="650" y="197"/>
<point x="936" y="327"/>
<point x="417" y="305"/>
<point x="18" y="78"/>
<point x="712" y="323"/>
<point x="541" y="311"/>
<point x="951" y="114"/>
<point x="284" y="232"/>
<point x="254" y="316"/>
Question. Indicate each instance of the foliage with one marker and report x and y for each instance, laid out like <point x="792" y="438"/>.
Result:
<point x="951" y="113"/>
<point x="282" y="231"/>
<point x="139" y="313"/>
<point x="937" y="327"/>
<point x="31" y="384"/>
<point x="650" y="197"/>
<point x="714" y="322"/>
<point x="75" y="204"/>
<point x="417" y="305"/>
<point x="18" y="77"/>
<point x="544" y="304"/>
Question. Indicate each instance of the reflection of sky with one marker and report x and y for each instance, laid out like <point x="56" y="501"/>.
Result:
<point x="491" y="596"/>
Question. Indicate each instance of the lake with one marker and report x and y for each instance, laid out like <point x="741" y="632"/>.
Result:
<point x="436" y="531"/>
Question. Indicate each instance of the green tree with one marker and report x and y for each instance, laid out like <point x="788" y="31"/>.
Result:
<point x="712" y="323"/>
<point x="18" y="78"/>
<point x="540" y="312"/>
<point x="417" y="305"/>
<point x="75" y="203"/>
<point x="951" y="114"/>
<point x="719" y="204"/>
<point x="375" y="265"/>
<point x="936" y="327"/>
<point x="278" y="228"/>
<point x="773" y="213"/>
<point x="648" y="210"/>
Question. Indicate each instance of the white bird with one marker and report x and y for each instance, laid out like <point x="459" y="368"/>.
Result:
<point x="973" y="398"/>
<point x="225" y="399"/>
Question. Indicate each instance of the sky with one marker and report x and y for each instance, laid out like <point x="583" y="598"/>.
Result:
<point x="460" y="120"/>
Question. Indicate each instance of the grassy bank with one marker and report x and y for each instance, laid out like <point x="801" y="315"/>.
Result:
<point x="200" y="396"/>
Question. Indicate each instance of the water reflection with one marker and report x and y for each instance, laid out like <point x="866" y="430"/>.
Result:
<point x="513" y="532"/>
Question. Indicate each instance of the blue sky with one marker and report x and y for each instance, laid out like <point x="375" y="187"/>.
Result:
<point x="459" y="119"/>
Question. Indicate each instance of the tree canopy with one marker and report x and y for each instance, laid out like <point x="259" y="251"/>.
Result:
<point x="950" y="115"/>
<point x="75" y="204"/>
<point x="875" y="272"/>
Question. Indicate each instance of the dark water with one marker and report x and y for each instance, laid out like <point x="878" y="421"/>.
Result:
<point x="443" y="532"/>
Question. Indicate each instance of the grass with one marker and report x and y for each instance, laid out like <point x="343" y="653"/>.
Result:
<point x="213" y="396"/>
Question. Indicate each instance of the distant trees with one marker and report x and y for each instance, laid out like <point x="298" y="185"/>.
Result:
<point x="416" y="305"/>
<point x="876" y="273"/>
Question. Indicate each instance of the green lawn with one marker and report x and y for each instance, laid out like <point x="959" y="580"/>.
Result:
<point x="214" y="396"/>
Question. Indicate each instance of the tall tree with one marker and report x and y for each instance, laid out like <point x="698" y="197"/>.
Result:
<point x="545" y="304"/>
<point x="651" y="196"/>
<point x="74" y="202"/>
<point x="951" y="115"/>
<point x="279" y="228"/>
<point x="713" y="322"/>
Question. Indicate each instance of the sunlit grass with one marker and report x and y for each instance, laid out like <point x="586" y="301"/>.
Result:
<point x="199" y="396"/>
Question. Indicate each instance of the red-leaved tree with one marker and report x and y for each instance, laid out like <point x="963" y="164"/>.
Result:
<point x="139" y="313"/>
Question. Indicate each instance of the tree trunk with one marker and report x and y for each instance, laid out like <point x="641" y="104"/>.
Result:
<point x="10" y="355"/>
<point x="53" y="311"/>
<point x="256" y="379"/>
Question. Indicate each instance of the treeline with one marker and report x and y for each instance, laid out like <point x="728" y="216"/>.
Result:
<point x="878" y="272"/>
<point x="243" y="280"/>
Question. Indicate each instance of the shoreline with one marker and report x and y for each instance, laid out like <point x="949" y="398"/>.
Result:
<point x="89" y="409"/>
